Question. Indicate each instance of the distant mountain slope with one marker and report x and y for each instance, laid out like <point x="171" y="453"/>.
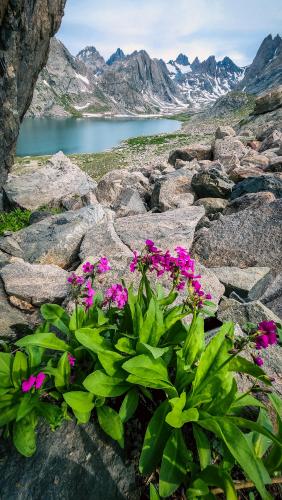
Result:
<point x="138" y="84"/>
<point x="266" y="69"/>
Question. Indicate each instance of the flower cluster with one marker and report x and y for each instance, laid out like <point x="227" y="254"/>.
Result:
<point x="117" y="294"/>
<point x="266" y="335"/>
<point x="35" y="381"/>
<point x="71" y="359"/>
<point x="180" y="268"/>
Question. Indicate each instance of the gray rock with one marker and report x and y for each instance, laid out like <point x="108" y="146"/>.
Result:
<point x="111" y="185"/>
<point x="255" y="159"/>
<point x="47" y="185"/>
<point x="168" y="229"/>
<point x="54" y="240"/>
<point x="266" y="182"/>
<point x="269" y="292"/>
<point x="245" y="239"/>
<point x="244" y="172"/>
<point x="76" y="461"/>
<point x="210" y="282"/>
<point x="198" y="151"/>
<point x="253" y="312"/>
<point x="35" y="283"/>
<point x="39" y="215"/>
<point x="275" y="165"/>
<point x="172" y="191"/>
<point x="273" y="140"/>
<point x="4" y="259"/>
<point x="212" y="205"/>
<point x="250" y="200"/>
<point x="241" y="281"/>
<point x="224" y="148"/>
<point x="269" y="101"/>
<point x="129" y="202"/>
<point x="224" y="131"/>
<point x="212" y="183"/>
<point x="12" y="321"/>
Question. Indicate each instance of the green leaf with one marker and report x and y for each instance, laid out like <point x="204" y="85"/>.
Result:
<point x="5" y="369"/>
<point x="111" y="424"/>
<point x="27" y="404"/>
<point x="148" y="322"/>
<point x="129" y="405"/>
<point x="79" y="401"/>
<point x="76" y="319"/>
<point x="124" y="344"/>
<point x="213" y="357"/>
<point x="195" y="341"/>
<point x="203" y="446"/>
<point x="24" y="436"/>
<point x="92" y="340"/>
<point x="156" y="352"/>
<point x="46" y="340"/>
<point x="156" y="436"/>
<point x="175" y="464"/>
<point x="19" y="371"/>
<point x="242" y="365"/>
<point x="111" y="361"/>
<point x="8" y="414"/>
<point x="273" y="461"/>
<point x="35" y="355"/>
<point x="146" y="365"/>
<point x="57" y="316"/>
<point x="101" y="384"/>
<point x="260" y="442"/>
<point x="246" y="400"/>
<point x="62" y="374"/>
<point x="53" y="414"/>
<point x="239" y="447"/>
<point x="153" y="493"/>
<point x="216" y="476"/>
<point x="177" y="417"/>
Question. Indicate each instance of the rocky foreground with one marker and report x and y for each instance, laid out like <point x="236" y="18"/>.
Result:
<point x="222" y="201"/>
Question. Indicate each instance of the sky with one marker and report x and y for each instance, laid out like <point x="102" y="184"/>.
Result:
<point x="164" y="28"/>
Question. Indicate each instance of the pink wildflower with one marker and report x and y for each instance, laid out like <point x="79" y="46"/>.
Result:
<point x="75" y="280"/>
<point x="134" y="262"/>
<point x="89" y="298"/>
<point x="88" y="268"/>
<point x="71" y="359"/>
<point x="117" y="294"/>
<point x="258" y="361"/>
<point x="40" y="380"/>
<point x="103" y="265"/>
<point x="28" y="384"/>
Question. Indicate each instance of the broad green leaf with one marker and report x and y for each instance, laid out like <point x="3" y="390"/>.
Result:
<point x="148" y="322"/>
<point x="79" y="401"/>
<point x="57" y="316"/>
<point x="82" y="417"/>
<point x="111" y="423"/>
<point x="129" y="405"/>
<point x="156" y="352"/>
<point x="153" y="493"/>
<point x="53" y="414"/>
<point x="157" y="434"/>
<point x="177" y="417"/>
<point x="35" y="355"/>
<point x="239" y="447"/>
<point x="24" y="436"/>
<point x="166" y="301"/>
<point x="175" y="314"/>
<point x="27" y="404"/>
<point x="242" y="365"/>
<point x="152" y="384"/>
<point x="92" y="340"/>
<point x="5" y="369"/>
<point x="46" y="340"/>
<point x="76" y="319"/>
<point x="273" y="461"/>
<point x="195" y="341"/>
<point x="175" y="464"/>
<point x="101" y="384"/>
<point x="216" y="476"/>
<point x="203" y="446"/>
<point x="260" y="442"/>
<point x="8" y="414"/>
<point x="246" y="400"/>
<point x="124" y="344"/>
<point x="214" y="358"/>
<point x="254" y="426"/>
<point x="62" y="374"/>
<point x="198" y="489"/>
<point x="146" y="366"/>
<point x="19" y="370"/>
<point x="111" y="361"/>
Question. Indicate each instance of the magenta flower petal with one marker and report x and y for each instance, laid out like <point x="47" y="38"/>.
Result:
<point x="40" y="380"/>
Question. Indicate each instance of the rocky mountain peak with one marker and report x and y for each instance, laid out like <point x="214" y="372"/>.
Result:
<point x="118" y="55"/>
<point x="92" y="58"/>
<point x="182" y="59"/>
<point x="195" y="64"/>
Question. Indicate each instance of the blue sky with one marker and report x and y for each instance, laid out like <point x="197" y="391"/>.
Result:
<point x="167" y="27"/>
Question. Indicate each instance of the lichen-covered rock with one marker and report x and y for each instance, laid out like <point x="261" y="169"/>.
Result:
<point x="54" y="240"/>
<point x="168" y="229"/>
<point x="242" y="313"/>
<point x="272" y="140"/>
<point x="212" y="182"/>
<point x="269" y="183"/>
<point x="224" y="148"/>
<point x="212" y="205"/>
<point x="256" y="160"/>
<point x="249" y="200"/>
<point x="224" y="131"/>
<point x="239" y="280"/>
<point x="25" y="38"/>
<point x="129" y="202"/>
<point x="111" y="185"/>
<point x="12" y="321"/>
<point x="35" y="283"/>
<point x="48" y="185"/>
<point x="173" y="191"/>
<point x="248" y="238"/>
<point x="244" y="172"/>
<point x="269" y="292"/>
<point x="194" y="151"/>
<point x="275" y="165"/>
<point x="76" y="461"/>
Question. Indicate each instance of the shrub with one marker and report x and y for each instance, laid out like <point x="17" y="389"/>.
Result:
<point x="124" y="349"/>
<point x="15" y="220"/>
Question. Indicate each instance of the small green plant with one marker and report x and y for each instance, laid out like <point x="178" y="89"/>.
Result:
<point x="14" y="220"/>
<point x="124" y="350"/>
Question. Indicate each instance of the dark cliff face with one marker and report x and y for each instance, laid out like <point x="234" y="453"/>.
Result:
<point x="26" y="27"/>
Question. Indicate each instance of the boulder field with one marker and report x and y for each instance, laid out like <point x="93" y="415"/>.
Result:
<point x="221" y="201"/>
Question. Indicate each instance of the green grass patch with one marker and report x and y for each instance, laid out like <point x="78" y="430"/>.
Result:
<point x="181" y="117"/>
<point x="14" y="221"/>
<point x="152" y="140"/>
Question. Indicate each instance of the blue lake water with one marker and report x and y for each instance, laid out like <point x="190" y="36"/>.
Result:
<point x="42" y="136"/>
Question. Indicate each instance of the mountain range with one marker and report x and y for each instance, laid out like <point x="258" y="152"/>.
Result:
<point x="137" y="84"/>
